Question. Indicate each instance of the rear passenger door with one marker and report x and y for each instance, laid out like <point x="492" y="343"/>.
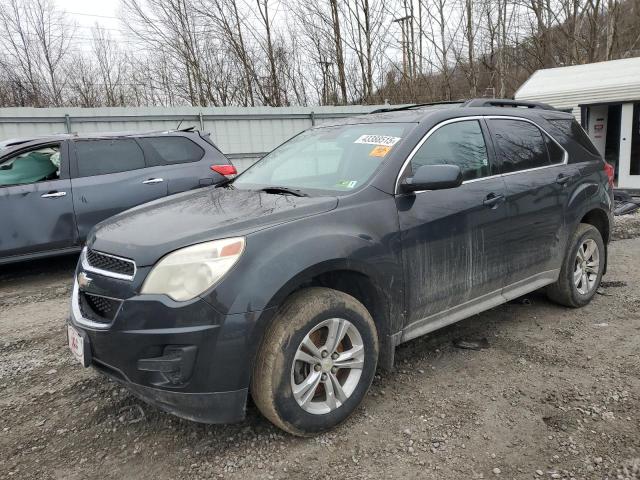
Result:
<point x="181" y="162"/>
<point x="109" y="176"/>
<point x="535" y="174"/>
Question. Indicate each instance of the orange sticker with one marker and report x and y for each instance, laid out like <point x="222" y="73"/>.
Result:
<point x="379" y="151"/>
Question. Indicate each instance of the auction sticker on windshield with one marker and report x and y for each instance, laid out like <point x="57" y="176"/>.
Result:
<point x="379" y="151"/>
<point x="347" y="183"/>
<point x="378" y="140"/>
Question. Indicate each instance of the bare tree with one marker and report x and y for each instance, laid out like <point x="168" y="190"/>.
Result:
<point x="339" y="56"/>
<point x="442" y="35"/>
<point x="224" y="19"/>
<point x="111" y="66"/>
<point x="282" y="52"/>
<point x="84" y="87"/>
<point x="274" y="98"/>
<point x="36" y="39"/>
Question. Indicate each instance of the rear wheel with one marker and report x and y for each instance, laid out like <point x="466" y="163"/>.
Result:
<point x="316" y="361"/>
<point x="581" y="270"/>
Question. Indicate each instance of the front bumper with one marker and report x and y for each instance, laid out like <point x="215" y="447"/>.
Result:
<point x="214" y="407"/>
<point x="151" y="334"/>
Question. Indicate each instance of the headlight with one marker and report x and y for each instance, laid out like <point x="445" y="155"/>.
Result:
<point x="186" y="273"/>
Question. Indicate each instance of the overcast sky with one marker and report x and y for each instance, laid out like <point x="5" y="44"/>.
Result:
<point x="87" y="12"/>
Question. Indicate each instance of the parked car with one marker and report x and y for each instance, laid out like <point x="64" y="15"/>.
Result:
<point x="292" y="282"/>
<point x="54" y="189"/>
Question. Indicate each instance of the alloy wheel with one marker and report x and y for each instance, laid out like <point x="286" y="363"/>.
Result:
<point x="587" y="266"/>
<point x="327" y="366"/>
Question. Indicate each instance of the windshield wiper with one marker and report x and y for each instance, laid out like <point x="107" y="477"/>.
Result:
<point x="291" y="191"/>
<point x="227" y="182"/>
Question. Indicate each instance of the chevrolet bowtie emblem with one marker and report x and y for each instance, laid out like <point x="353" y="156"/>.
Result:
<point x="83" y="280"/>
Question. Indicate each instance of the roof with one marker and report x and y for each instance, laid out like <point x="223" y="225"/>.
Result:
<point x="479" y="106"/>
<point x="15" y="144"/>
<point x="568" y="87"/>
<point x="11" y="142"/>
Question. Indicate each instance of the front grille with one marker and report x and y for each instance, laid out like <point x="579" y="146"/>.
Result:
<point x="112" y="264"/>
<point x="96" y="308"/>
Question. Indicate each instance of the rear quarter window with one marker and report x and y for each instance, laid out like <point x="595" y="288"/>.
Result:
<point x="170" y="150"/>
<point x="570" y="129"/>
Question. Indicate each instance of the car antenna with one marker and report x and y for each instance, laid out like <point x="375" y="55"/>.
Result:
<point x="180" y="123"/>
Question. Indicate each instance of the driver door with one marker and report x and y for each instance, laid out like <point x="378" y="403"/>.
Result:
<point x="36" y="206"/>
<point x="452" y="239"/>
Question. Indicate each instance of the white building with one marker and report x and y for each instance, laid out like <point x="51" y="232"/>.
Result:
<point x="605" y="98"/>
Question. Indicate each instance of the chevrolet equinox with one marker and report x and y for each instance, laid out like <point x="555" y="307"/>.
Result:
<point x="292" y="282"/>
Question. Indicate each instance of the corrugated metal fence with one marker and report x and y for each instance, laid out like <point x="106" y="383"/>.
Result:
<point x="243" y="133"/>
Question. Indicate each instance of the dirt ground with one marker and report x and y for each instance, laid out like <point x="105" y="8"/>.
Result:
<point x="555" y="394"/>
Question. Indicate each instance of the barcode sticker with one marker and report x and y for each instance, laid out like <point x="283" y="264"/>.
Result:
<point x="378" y="140"/>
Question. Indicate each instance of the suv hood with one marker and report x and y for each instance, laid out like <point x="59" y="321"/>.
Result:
<point x="148" y="232"/>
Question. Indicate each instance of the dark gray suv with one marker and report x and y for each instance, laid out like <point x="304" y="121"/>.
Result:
<point x="54" y="189"/>
<point x="295" y="280"/>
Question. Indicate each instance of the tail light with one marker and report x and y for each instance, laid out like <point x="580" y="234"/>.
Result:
<point x="225" y="170"/>
<point x="610" y="171"/>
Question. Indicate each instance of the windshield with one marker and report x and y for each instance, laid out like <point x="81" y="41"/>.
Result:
<point x="339" y="159"/>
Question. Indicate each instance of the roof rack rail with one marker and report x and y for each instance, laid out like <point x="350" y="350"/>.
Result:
<point x="415" y="105"/>
<point x="504" y="102"/>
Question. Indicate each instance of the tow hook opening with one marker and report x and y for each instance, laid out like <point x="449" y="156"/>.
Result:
<point x="175" y="366"/>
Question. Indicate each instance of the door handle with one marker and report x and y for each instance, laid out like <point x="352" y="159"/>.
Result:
<point x="563" y="179"/>
<point x="151" y="181"/>
<point x="493" y="200"/>
<point x="53" y="194"/>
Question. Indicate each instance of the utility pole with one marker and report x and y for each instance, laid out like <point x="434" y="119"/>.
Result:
<point x="406" y="54"/>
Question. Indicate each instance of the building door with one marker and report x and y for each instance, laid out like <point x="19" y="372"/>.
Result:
<point x="629" y="169"/>
<point x="602" y="123"/>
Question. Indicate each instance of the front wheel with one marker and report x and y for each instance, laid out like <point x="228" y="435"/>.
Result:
<point x="316" y="361"/>
<point x="581" y="270"/>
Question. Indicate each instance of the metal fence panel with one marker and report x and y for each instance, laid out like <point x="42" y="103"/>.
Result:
<point x="241" y="132"/>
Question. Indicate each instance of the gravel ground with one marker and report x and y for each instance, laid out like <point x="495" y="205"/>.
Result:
<point x="554" y="393"/>
<point x="627" y="226"/>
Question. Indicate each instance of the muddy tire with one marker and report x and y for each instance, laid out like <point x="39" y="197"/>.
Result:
<point x="316" y="361"/>
<point x="581" y="270"/>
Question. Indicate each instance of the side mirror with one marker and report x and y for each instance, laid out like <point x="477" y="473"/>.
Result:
<point x="433" y="177"/>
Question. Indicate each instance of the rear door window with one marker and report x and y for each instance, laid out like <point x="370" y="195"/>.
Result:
<point x="172" y="150"/>
<point x="100" y="157"/>
<point x="520" y="145"/>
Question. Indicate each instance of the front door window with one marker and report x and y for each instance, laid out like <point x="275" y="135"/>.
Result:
<point x="30" y="167"/>
<point x="459" y="143"/>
